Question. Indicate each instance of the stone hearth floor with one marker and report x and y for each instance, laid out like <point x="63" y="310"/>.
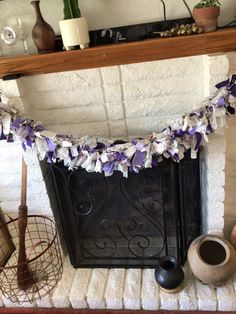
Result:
<point x="131" y="289"/>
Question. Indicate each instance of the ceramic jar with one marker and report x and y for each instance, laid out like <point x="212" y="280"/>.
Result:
<point x="212" y="259"/>
<point x="74" y="33"/>
<point x="233" y="237"/>
<point x="169" y="274"/>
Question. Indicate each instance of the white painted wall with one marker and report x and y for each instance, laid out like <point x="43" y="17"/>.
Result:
<point x="114" y="102"/>
<point x="100" y="14"/>
<point x="230" y="169"/>
<point x="121" y="101"/>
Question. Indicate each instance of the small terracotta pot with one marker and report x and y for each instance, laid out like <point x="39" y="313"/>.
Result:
<point x="206" y="18"/>
<point x="169" y="274"/>
<point x="212" y="259"/>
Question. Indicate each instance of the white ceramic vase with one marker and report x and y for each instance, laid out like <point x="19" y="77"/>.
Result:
<point x="74" y="33"/>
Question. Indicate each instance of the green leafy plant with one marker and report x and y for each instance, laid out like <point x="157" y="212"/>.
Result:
<point x="207" y="4"/>
<point x="71" y="9"/>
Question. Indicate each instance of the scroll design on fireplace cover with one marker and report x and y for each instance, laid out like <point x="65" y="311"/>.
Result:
<point x="118" y="222"/>
<point x="85" y="205"/>
<point x="129" y="230"/>
<point x="139" y="245"/>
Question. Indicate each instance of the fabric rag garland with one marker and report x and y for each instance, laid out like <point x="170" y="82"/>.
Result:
<point x="187" y="132"/>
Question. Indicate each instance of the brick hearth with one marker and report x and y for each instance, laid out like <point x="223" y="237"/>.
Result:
<point x="131" y="289"/>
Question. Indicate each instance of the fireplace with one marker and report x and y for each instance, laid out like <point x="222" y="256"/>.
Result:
<point x="128" y="222"/>
<point x="139" y="99"/>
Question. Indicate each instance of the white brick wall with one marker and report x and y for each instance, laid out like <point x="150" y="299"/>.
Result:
<point x="121" y="101"/>
<point x="230" y="168"/>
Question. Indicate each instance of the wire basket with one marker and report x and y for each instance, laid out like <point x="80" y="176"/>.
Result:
<point x="43" y="259"/>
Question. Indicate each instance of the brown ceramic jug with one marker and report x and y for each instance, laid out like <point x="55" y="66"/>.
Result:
<point x="42" y="33"/>
<point x="212" y="259"/>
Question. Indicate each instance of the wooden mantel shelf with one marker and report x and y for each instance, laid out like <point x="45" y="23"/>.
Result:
<point x="223" y="40"/>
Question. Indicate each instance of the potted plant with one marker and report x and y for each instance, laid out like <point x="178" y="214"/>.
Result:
<point x="205" y="14"/>
<point x="74" y="28"/>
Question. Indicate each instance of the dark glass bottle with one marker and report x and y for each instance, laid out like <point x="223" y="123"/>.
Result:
<point x="169" y="274"/>
<point x="42" y="33"/>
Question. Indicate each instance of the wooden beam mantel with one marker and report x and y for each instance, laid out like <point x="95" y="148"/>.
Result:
<point x="223" y="40"/>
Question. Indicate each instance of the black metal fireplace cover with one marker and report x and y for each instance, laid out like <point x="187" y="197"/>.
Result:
<point x="119" y="222"/>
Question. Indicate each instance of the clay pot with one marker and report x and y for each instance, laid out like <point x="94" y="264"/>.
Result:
<point x="42" y="33"/>
<point x="233" y="237"/>
<point x="169" y="274"/>
<point x="206" y="18"/>
<point x="212" y="259"/>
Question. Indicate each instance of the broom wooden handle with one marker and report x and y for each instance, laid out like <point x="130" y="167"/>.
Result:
<point x="23" y="183"/>
<point x="24" y="277"/>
